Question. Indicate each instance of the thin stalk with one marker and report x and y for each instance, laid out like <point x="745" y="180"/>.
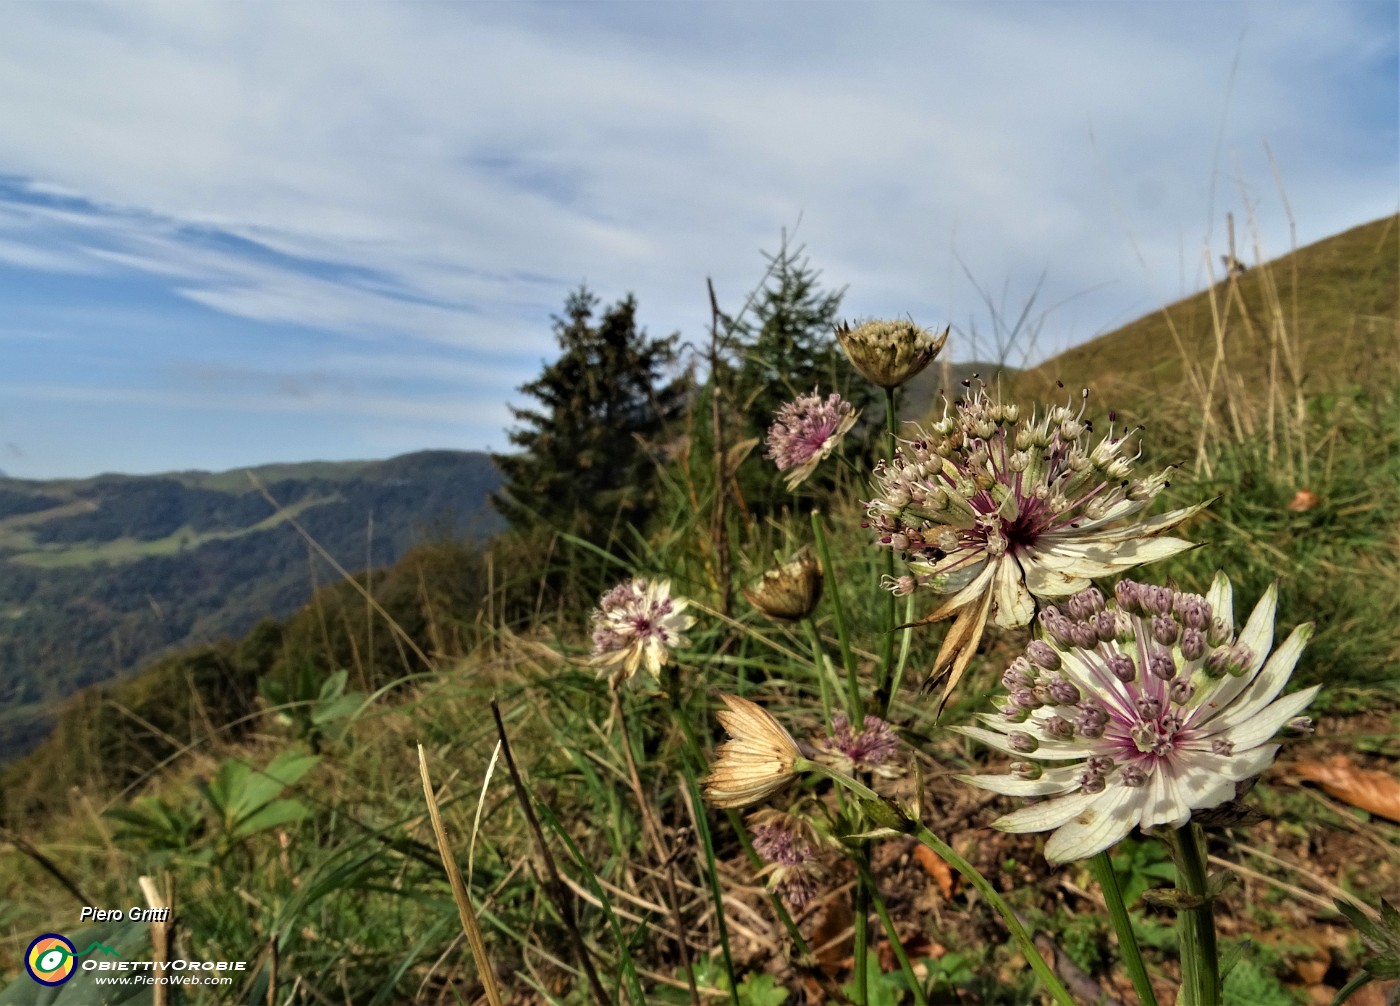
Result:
<point x="969" y="872"/>
<point x="892" y="934"/>
<point x="862" y="926"/>
<point x="554" y="885"/>
<point x="1123" y="926"/>
<point x="819" y="662"/>
<point x="712" y="874"/>
<point x="1200" y="961"/>
<point x="1023" y="939"/>
<point x="843" y="637"/>
<point x="884" y="694"/>
<point x="905" y="638"/>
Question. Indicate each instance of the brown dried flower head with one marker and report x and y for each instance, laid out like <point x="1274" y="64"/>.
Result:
<point x="757" y="760"/>
<point x="791" y="591"/>
<point x="889" y="353"/>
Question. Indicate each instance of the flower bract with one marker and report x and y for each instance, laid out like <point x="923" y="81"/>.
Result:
<point x="789" y="592"/>
<point x="889" y="353"/>
<point x="757" y="760"/>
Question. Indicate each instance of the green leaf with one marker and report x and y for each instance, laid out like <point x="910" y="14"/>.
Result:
<point x="761" y="990"/>
<point x="272" y="815"/>
<point x="333" y="687"/>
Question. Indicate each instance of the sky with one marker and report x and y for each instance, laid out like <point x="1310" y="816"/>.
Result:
<point x="236" y="233"/>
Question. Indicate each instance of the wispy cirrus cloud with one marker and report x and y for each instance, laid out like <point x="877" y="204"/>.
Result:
<point x="415" y="187"/>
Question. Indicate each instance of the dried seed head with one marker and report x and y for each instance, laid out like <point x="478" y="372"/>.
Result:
<point x="889" y="353"/>
<point x="791" y="591"/>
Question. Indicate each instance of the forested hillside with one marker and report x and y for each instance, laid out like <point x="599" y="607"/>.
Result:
<point x="98" y="576"/>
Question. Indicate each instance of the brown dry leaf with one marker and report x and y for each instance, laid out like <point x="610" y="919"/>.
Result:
<point x="1371" y="790"/>
<point x="934" y="866"/>
<point x="832" y="937"/>
<point x="1303" y="501"/>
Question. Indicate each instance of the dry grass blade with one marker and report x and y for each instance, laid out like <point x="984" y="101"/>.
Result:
<point x="459" y="889"/>
<point x="160" y="936"/>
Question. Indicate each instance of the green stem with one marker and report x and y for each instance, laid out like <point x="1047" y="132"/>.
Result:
<point x="969" y="872"/>
<point x="1200" y="962"/>
<point x="862" y="927"/>
<point x="843" y="637"/>
<point x="892" y="934"/>
<point x="712" y="869"/>
<point x="1123" y="926"/>
<point x="905" y="638"/>
<point x="1023" y="939"/>
<point x="884" y="695"/>
<point x="1346" y="991"/>
<point x="819" y="662"/>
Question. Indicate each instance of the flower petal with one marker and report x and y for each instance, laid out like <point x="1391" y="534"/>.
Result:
<point x="1047" y="751"/>
<point x="1220" y="597"/>
<point x="1012" y="604"/>
<point x="1051" y="783"/>
<point x="1046" y="815"/>
<point x="1098" y="557"/>
<point x="1265" y="722"/>
<point x="1163" y="801"/>
<point x="1102" y="824"/>
<point x="1218" y="709"/>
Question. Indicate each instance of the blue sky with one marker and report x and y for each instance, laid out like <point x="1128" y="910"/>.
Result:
<point x="240" y="233"/>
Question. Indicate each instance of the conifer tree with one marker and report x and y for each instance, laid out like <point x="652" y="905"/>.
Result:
<point x="581" y="467"/>
<point x="788" y="346"/>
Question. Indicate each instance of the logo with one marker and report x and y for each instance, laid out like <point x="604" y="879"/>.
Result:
<point x="51" y="959"/>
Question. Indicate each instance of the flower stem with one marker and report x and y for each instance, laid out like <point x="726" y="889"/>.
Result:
<point x="884" y="694"/>
<point x="969" y="872"/>
<point x="1123" y="926"/>
<point x="1200" y="964"/>
<point x="819" y="663"/>
<point x="892" y="934"/>
<point x="862" y="926"/>
<point x="833" y="591"/>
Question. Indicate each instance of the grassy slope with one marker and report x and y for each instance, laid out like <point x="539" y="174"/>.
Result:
<point x="1339" y="299"/>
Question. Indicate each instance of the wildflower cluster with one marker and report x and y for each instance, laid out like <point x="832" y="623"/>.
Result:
<point x="638" y="623"/>
<point x="988" y="501"/>
<point x="789" y="846"/>
<point x="805" y="432"/>
<point x="870" y="749"/>
<point x="1147" y="707"/>
<point x="996" y="509"/>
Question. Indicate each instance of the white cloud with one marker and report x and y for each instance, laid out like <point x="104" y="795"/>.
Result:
<point x="438" y="176"/>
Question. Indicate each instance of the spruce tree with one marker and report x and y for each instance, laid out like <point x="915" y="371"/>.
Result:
<point x="787" y="346"/>
<point x="582" y="466"/>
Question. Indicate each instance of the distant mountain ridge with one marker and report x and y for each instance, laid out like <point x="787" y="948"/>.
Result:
<point x="99" y="575"/>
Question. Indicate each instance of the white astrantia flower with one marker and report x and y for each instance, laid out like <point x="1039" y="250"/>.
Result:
<point x="638" y="623"/>
<point x="1145" y="711"/>
<point x="995" y="510"/>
